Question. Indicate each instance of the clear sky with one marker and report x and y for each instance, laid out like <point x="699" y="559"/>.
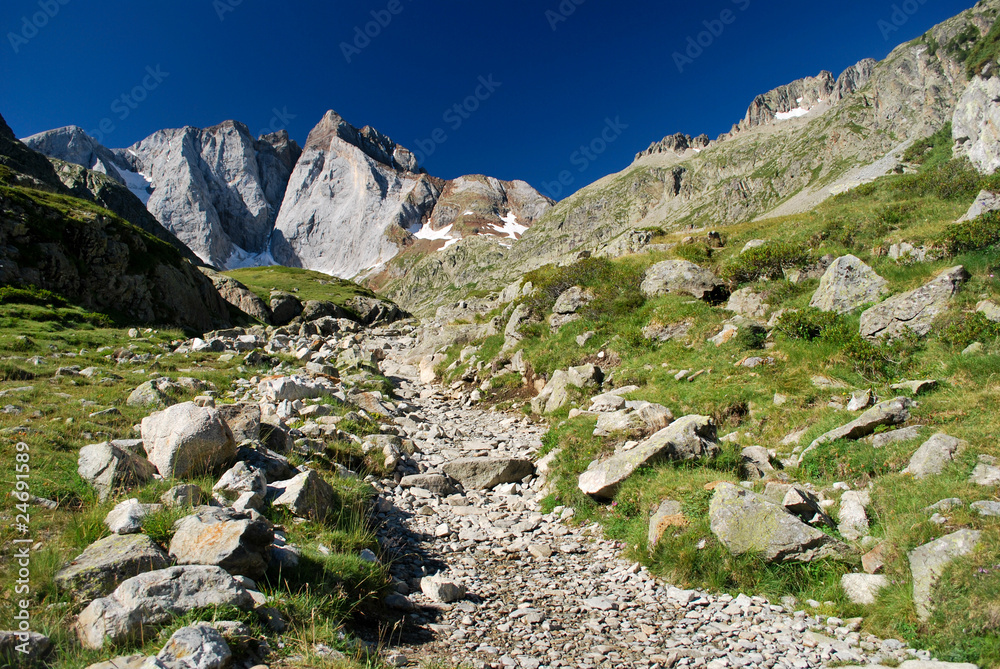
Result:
<point x="551" y="75"/>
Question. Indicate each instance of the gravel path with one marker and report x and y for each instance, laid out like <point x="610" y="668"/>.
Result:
<point x="546" y="593"/>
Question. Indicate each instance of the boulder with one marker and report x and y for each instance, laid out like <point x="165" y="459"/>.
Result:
<point x="153" y="393"/>
<point x="238" y="295"/>
<point x="668" y="514"/>
<point x="863" y="588"/>
<point x="555" y="394"/>
<point x="935" y="453"/>
<point x="745" y="522"/>
<point x="241" y="478"/>
<point x="199" y="646"/>
<point x="683" y="277"/>
<point x="805" y="505"/>
<point x="915" y="387"/>
<point x="883" y="439"/>
<point x="853" y="523"/>
<point x="986" y="473"/>
<point x="274" y="466"/>
<point x="373" y="311"/>
<point x="607" y="403"/>
<point x="929" y="561"/>
<point x="107" y="562"/>
<point x="512" y="331"/>
<point x="285" y="308"/>
<point x="291" y="388"/>
<point x="891" y="412"/>
<point x="860" y="399"/>
<point x="187" y="440"/>
<point x="186" y="494"/>
<point x="306" y="495"/>
<point x="645" y="420"/>
<point x="986" y="508"/>
<point x="38" y="648"/>
<point x="442" y="589"/>
<point x="748" y="303"/>
<point x="224" y="538"/>
<point x="756" y="463"/>
<point x="572" y="300"/>
<point x="155" y="598"/>
<point x="371" y="403"/>
<point x="986" y="202"/>
<point x="127" y="516"/>
<point x="686" y="438"/>
<point x="110" y="468"/>
<point x="914" y="311"/>
<point x="486" y="473"/>
<point x="990" y="310"/>
<point x="663" y="333"/>
<point x="436" y="483"/>
<point x="243" y="419"/>
<point x="846" y="285"/>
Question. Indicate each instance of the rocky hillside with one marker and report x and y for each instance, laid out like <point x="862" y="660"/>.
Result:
<point x="795" y="146"/>
<point x="53" y="241"/>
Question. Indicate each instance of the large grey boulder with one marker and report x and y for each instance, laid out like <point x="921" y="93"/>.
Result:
<point x="928" y="562"/>
<point x="683" y="277"/>
<point x="153" y="393"/>
<point x="186" y="440"/>
<point x="109" y="468"/>
<point x="934" y="454"/>
<point x="487" y="473"/>
<point x="890" y="412"/>
<point x="512" y="331"/>
<point x="848" y="284"/>
<point x="986" y="473"/>
<point x="107" y="562"/>
<point x="572" y="300"/>
<point x="436" y="483"/>
<point x="155" y="598"/>
<point x="686" y="438"/>
<point x="291" y="388"/>
<point x="914" y="311"/>
<point x="442" y="589"/>
<point x="285" y="307"/>
<point x="243" y="419"/>
<point x="306" y="495"/>
<point x="975" y="123"/>
<point x="127" y="516"/>
<point x="748" y="303"/>
<point x="668" y="514"/>
<point x="241" y="478"/>
<point x="199" y="646"/>
<point x="746" y="522"/>
<point x="224" y="538"/>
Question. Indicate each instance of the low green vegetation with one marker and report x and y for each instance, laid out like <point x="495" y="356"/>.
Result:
<point x="304" y="284"/>
<point x="691" y="375"/>
<point x="56" y="414"/>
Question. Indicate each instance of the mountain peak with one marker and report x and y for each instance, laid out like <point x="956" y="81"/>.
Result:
<point x="373" y="143"/>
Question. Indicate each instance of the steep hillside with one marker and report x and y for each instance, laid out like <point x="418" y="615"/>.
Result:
<point x="795" y="146"/>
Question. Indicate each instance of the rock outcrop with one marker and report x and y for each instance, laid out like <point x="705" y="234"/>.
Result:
<point x="848" y="284"/>
<point x="915" y="310"/>
<point x="974" y="127"/>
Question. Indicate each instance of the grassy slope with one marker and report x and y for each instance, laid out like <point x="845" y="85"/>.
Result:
<point x="915" y="208"/>
<point x="54" y="420"/>
<point x="305" y="284"/>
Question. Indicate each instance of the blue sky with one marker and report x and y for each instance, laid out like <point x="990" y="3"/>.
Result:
<point x="533" y="81"/>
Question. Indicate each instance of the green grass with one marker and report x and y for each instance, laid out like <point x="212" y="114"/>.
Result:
<point x="305" y="284"/>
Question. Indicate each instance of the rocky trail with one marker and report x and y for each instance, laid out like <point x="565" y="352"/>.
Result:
<point x="486" y="579"/>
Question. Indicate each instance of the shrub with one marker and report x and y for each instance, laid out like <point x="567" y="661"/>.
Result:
<point x="808" y="323"/>
<point x="750" y="337"/>
<point x="969" y="328"/>
<point x="696" y="253"/>
<point x="764" y="262"/>
<point x="30" y="295"/>
<point x="975" y="235"/>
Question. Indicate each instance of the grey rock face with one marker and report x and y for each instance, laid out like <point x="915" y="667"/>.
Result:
<point x="186" y="440"/>
<point x="224" y="538"/>
<point x="108" y="468"/>
<point x="238" y="295"/>
<point x="853" y="519"/>
<point x="106" y="563"/>
<point x="848" y="284"/>
<point x="555" y="394"/>
<point x="928" y="562"/>
<point x="154" y="598"/>
<point x="756" y="462"/>
<point x="241" y="478"/>
<point x="974" y="125"/>
<point x="802" y="93"/>
<point x="913" y="311"/>
<point x="572" y="300"/>
<point x="243" y="419"/>
<point x="746" y="522"/>
<point x="218" y="189"/>
<point x="681" y="276"/>
<point x="487" y="473"/>
<point x="746" y="302"/>
<point x="985" y="202"/>
<point x="935" y="453"/>
<point x="686" y="438"/>
<point x="852" y="79"/>
<point x="285" y="307"/>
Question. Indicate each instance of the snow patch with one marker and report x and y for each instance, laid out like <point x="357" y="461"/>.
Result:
<point x="426" y="232"/>
<point x="795" y="113"/>
<point x="469" y="213"/>
<point x="511" y="227"/>
<point x="241" y="258"/>
<point x="449" y="243"/>
<point x="138" y="183"/>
